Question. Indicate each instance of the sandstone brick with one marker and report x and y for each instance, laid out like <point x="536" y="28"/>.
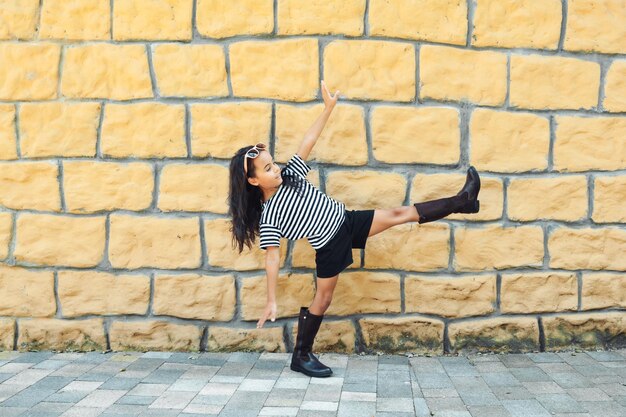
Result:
<point x="219" y="130"/>
<point x="81" y="293"/>
<point x="410" y="247"/>
<point x="194" y="187"/>
<point x="585" y="143"/>
<point x="220" y="19"/>
<point x="453" y="74"/>
<point x="7" y="333"/>
<point x="585" y="331"/>
<point x="152" y="20"/>
<point x="8" y="143"/>
<point x="292" y="292"/>
<point x="333" y="336"/>
<point x="427" y="20"/>
<point x="360" y="190"/>
<point x="62" y="335"/>
<point x="19" y="19"/>
<point x="549" y="82"/>
<point x="508" y="142"/>
<point x="154" y="241"/>
<point x="365" y="292"/>
<point x="60" y="240"/>
<point x="416" y="135"/>
<point x="92" y="186"/>
<point x="279" y="69"/>
<point x="538" y="292"/>
<point x="370" y="69"/>
<point x="144" y="130"/>
<point x="588" y="248"/>
<point x="450" y="296"/>
<point x="596" y="25"/>
<point x="341" y="142"/>
<point x="154" y="335"/>
<point x="75" y="20"/>
<point x="190" y="70"/>
<point x="59" y="129"/>
<point x="30" y="185"/>
<point x="195" y="296"/>
<point x="615" y="87"/>
<point x="303" y="255"/>
<point x="425" y="187"/>
<point x="29" y="71"/>
<point x="20" y="286"/>
<point x="104" y="70"/>
<point x="557" y="198"/>
<point x="321" y="17"/>
<point x="223" y="339"/>
<point x="221" y="251"/>
<point x="411" y="334"/>
<point x="498" y="247"/>
<point x="609" y="195"/>
<point x="6" y="224"/>
<point x="500" y="334"/>
<point x="603" y="290"/>
<point x="517" y="24"/>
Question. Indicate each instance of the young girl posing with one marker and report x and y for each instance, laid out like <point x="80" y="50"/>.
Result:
<point x="273" y="203"/>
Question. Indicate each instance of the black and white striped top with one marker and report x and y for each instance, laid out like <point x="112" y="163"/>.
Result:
<point x="287" y="214"/>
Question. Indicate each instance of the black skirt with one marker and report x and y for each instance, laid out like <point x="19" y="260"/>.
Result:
<point x="336" y="254"/>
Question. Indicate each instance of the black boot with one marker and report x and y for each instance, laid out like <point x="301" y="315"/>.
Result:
<point x="303" y="359"/>
<point x="464" y="202"/>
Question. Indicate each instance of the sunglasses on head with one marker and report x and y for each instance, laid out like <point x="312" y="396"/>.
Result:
<point x="252" y="153"/>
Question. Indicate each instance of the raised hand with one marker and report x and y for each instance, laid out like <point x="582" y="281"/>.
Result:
<point x="329" y="100"/>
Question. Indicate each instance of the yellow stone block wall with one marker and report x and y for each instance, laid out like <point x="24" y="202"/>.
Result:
<point x="118" y="119"/>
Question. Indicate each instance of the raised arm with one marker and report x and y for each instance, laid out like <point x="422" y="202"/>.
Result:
<point x="311" y="136"/>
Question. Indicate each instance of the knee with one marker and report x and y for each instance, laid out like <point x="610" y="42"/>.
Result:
<point x="398" y="213"/>
<point x="324" y="298"/>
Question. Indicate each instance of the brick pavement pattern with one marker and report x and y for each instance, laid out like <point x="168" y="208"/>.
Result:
<point x="242" y="384"/>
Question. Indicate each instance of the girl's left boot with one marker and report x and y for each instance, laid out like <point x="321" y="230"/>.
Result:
<point x="465" y="201"/>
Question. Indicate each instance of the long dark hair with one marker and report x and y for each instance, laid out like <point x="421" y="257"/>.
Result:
<point x="245" y="201"/>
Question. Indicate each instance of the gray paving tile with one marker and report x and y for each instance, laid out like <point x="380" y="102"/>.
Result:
<point x="32" y="357"/>
<point x="12" y="411"/>
<point x="544" y="357"/>
<point x="530" y="374"/>
<point x="605" y="356"/>
<point x="570" y="380"/>
<point x="489" y="411"/>
<point x="558" y="403"/>
<point x="525" y="408"/>
<point x="356" y="408"/>
<point x="136" y="400"/>
<point x="603" y="408"/>
<point x="52" y="382"/>
<point x="120" y="383"/>
<point x="28" y="397"/>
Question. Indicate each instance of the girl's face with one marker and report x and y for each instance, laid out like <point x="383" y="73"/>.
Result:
<point x="266" y="172"/>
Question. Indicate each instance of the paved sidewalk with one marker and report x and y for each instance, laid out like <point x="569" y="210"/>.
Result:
<point x="253" y="384"/>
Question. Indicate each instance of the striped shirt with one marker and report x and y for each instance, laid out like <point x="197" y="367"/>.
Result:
<point x="287" y="214"/>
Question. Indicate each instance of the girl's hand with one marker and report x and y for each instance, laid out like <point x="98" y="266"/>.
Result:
<point x="270" y="311"/>
<point x="329" y="100"/>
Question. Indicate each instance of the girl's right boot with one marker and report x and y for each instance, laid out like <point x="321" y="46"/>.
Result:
<point x="303" y="359"/>
<point x="466" y="201"/>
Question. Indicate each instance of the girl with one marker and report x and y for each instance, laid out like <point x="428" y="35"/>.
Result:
<point x="273" y="202"/>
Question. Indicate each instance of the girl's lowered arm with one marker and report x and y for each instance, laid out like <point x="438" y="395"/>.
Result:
<point x="272" y="266"/>
<point x="311" y="136"/>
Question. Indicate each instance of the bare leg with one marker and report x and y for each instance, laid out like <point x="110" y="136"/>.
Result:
<point x="386" y="218"/>
<point x="323" y="295"/>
